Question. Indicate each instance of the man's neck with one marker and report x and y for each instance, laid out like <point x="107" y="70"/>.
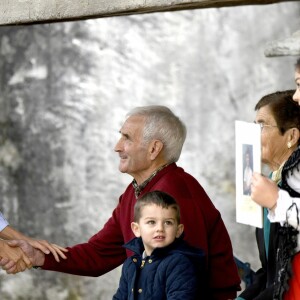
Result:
<point x="139" y="186"/>
<point x="143" y="176"/>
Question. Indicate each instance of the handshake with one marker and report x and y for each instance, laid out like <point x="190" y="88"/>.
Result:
<point x="19" y="252"/>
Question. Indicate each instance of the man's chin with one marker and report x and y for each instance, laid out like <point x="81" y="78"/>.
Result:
<point x="122" y="169"/>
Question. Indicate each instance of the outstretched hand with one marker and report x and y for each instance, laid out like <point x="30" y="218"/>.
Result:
<point x="9" y="233"/>
<point x="12" y="257"/>
<point x="264" y="191"/>
<point x="48" y="248"/>
<point x="34" y="256"/>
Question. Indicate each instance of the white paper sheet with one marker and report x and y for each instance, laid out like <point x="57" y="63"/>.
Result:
<point x="248" y="160"/>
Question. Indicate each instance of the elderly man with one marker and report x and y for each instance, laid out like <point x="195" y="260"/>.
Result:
<point x="151" y="141"/>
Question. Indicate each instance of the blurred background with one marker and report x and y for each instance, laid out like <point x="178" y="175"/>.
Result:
<point x="65" y="89"/>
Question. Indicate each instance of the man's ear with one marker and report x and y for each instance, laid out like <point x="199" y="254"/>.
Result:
<point x="155" y="148"/>
<point x="135" y="229"/>
<point x="180" y="229"/>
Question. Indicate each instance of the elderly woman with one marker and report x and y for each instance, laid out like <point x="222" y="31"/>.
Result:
<point x="284" y="204"/>
<point x="278" y="116"/>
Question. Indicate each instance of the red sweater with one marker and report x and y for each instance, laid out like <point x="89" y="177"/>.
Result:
<point x="203" y="227"/>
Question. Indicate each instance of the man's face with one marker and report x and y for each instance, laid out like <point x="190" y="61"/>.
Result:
<point x="133" y="151"/>
<point x="296" y="96"/>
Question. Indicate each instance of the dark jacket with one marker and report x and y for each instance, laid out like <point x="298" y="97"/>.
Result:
<point x="172" y="272"/>
<point x="263" y="285"/>
<point x="270" y="280"/>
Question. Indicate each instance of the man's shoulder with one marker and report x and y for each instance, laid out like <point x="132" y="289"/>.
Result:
<point x="175" y="172"/>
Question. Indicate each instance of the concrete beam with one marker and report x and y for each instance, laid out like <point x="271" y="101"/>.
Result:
<point x="46" y="11"/>
<point x="284" y="47"/>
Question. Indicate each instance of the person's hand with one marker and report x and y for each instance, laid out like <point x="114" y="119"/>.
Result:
<point x="14" y="257"/>
<point x="264" y="191"/>
<point x="48" y="248"/>
<point x="35" y="256"/>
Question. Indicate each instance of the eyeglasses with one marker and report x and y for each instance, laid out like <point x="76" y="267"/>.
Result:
<point x="262" y="125"/>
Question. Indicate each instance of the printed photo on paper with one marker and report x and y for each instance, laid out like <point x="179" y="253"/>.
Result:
<point x="248" y="160"/>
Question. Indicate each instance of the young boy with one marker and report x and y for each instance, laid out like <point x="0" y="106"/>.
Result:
<point x="163" y="266"/>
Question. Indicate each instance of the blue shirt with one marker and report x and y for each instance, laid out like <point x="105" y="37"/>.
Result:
<point x="3" y="222"/>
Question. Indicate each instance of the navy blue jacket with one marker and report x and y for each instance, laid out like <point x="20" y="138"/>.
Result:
<point x="173" y="272"/>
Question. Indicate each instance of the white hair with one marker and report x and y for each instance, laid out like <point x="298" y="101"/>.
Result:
<point x="163" y="125"/>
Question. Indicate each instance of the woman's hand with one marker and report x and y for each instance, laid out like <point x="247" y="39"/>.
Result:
<point x="264" y="191"/>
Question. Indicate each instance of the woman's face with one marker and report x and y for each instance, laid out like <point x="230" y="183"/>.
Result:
<point x="273" y="143"/>
<point x="296" y="96"/>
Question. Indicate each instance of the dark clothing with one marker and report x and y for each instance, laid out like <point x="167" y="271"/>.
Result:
<point x="263" y="286"/>
<point x="204" y="229"/>
<point x="291" y="164"/>
<point x="271" y="280"/>
<point x="288" y="237"/>
<point x="173" y="272"/>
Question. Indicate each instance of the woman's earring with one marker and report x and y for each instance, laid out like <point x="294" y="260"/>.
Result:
<point x="289" y="145"/>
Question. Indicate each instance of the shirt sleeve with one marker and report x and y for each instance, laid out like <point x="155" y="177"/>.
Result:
<point x="3" y="222"/>
<point x="287" y="209"/>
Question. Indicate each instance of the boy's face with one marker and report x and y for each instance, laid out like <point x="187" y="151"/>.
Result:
<point x="157" y="227"/>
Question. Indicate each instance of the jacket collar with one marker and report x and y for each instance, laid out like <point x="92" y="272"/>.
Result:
<point x="179" y="246"/>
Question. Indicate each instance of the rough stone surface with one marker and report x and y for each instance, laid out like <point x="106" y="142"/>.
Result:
<point x="282" y="47"/>
<point x="41" y="11"/>
<point x="65" y="89"/>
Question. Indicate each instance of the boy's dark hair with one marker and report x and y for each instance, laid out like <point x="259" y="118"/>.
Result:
<point x="158" y="198"/>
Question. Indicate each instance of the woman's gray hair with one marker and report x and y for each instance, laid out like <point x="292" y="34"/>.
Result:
<point x="163" y="125"/>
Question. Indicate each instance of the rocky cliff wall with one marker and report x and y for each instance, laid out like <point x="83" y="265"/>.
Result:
<point x="65" y="89"/>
